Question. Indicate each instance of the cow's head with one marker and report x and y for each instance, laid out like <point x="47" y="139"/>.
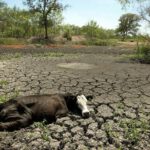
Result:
<point x="82" y="104"/>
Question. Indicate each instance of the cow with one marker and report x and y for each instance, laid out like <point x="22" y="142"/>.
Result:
<point x="22" y="111"/>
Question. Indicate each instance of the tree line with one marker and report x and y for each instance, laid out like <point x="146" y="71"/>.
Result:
<point x="44" y="19"/>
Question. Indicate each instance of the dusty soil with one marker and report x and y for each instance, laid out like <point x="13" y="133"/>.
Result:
<point x="120" y="117"/>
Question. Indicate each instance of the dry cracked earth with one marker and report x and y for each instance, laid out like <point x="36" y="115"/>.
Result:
<point x="120" y="109"/>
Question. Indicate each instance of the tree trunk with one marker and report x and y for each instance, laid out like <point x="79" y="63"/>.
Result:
<point x="123" y="36"/>
<point x="46" y="27"/>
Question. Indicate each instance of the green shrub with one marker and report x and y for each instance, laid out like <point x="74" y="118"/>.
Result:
<point x="99" y="42"/>
<point x="3" y="98"/>
<point x="2" y="41"/>
<point x="3" y="82"/>
<point x="68" y="35"/>
<point x="143" y="53"/>
<point x="39" y="41"/>
<point x="134" y="129"/>
<point x="11" y="41"/>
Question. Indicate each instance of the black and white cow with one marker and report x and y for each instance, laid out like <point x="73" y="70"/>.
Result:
<point x="22" y="111"/>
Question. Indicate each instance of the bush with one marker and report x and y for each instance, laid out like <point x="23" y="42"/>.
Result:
<point x="11" y="41"/>
<point x="99" y="42"/>
<point x="144" y="53"/>
<point x="68" y="36"/>
<point x="40" y="40"/>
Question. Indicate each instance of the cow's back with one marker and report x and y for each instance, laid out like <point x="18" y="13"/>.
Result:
<point x="43" y="106"/>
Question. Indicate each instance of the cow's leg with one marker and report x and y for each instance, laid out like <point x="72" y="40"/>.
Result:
<point x="22" y="117"/>
<point x="61" y="112"/>
<point x="5" y="105"/>
<point x="16" y="123"/>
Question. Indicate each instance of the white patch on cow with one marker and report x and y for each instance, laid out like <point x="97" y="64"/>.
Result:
<point x="82" y="104"/>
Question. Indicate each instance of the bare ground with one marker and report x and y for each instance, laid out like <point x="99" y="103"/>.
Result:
<point x="120" y="116"/>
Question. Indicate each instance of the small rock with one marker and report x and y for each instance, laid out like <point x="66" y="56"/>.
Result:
<point x="105" y="111"/>
<point x="90" y="133"/>
<point x="77" y="130"/>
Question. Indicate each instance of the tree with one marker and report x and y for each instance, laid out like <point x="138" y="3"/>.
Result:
<point x="3" y="16"/>
<point x="2" y="4"/>
<point x="91" y="29"/>
<point x="45" y="8"/>
<point x="20" y="22"/>
<point x="143" y="7"/>
<point x="128" y="25"/>
<point x="2" y="7"/>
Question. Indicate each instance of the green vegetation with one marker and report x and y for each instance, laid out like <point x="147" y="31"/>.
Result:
<point x="42" y="24"/>
<point x="143" y="53"/>
<point x="92" y="30"/>
<point x="10" y="56"/>
<point x="45" y="134"/>
<point x="46" y="11"/>
<point x="12" y="41"/>
<point x="3" y="82"/>
<point x="99" y="42"/>
<point x="133" y="129"/>
<point x="19" y="55"/>
<point x="18" y="23"/>
<point x="3" y="98"/>
<point x="35" y="26"/>
<point x="128" y="25"/>
<point x="68" y="35"/>
<point x="142" y="5"/>
<point x="131" y="132"/>
<point x="48" y="54"/>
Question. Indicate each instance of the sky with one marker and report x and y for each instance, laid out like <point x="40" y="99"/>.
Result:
<point x="105" y="12"/>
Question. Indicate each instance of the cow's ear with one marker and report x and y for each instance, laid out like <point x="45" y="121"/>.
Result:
<point x="89" y="97"/>
<point x="69" y="97"/>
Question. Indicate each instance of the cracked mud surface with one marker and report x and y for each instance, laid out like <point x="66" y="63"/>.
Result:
<point x="120" y="117"/>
